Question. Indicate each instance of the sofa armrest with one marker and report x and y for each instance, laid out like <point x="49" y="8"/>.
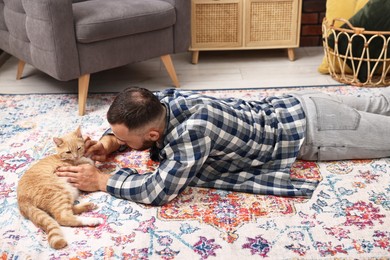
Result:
<point x="51" y="35"/>
<point x="182" y="28"/>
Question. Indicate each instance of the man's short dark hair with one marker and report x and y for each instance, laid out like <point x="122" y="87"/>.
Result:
<point x="134" y="107"/>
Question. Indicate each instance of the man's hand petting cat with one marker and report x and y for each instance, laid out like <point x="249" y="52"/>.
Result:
<point x="95" y="150"/>
<point x="85" y="177"/>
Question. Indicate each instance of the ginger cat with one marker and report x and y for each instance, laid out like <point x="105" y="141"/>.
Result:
<point x="48" y="200"/>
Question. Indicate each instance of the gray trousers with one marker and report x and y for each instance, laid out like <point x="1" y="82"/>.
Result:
<point x="341" y="127"/>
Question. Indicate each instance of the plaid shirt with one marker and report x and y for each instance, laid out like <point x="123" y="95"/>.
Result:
<point x="228" y="144"/>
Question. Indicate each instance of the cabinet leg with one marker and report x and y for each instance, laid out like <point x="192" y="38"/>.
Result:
<point x="291" y="54"/>
<point x="195" y="57"/>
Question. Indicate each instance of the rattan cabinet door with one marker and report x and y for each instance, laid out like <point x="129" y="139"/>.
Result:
<point x="216" y="24"/>
<point x="272" y="23"/>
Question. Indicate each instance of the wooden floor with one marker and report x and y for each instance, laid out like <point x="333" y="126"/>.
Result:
<point x="215" y="70"/>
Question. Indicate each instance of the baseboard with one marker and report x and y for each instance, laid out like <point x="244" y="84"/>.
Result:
<point x="4" y="57"/>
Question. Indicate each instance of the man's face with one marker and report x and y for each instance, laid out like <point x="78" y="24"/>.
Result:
<point x="135" y="139"/>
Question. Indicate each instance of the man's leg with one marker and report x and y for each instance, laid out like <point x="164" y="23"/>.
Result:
<point x="376" y="104"/>
<point x="340" y="128"/>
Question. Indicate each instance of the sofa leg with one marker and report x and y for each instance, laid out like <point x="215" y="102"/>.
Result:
<point x="19" y="73"/>
<point x="166" y="59"/>
<point x="83" y="93"/>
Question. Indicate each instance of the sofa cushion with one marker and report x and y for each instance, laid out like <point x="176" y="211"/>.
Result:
<point x="2" y="21"/>
<point x="14" y="5"/>
<point x="15" y="20"/>
<point x="98" y="20"/>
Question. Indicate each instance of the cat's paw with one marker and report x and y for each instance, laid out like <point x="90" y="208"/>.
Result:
<point x="84" y="207"/>
<point x="87" y="221"/>
<point x="91" y="206"/>
<point x="59" y="244"/>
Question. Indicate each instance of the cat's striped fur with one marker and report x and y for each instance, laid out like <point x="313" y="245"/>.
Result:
<point x="48" y="200"/>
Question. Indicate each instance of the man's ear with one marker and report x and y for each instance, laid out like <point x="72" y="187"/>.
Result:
<point x="153" y="135"/>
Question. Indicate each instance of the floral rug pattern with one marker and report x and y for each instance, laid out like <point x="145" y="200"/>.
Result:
<point x="347" y="217"/>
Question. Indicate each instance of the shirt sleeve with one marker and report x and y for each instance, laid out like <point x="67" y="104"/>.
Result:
<point x="183" y="158"/>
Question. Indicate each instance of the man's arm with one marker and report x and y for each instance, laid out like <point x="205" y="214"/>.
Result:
<point x="87" y="177"/>
<point x="184" y="158"/>
<point x="110" y="143"/>
<point x="99" y="150"/>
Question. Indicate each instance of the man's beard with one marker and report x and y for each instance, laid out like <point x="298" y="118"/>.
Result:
<point x="146" y="145"/>
<point x="154" y="153"/>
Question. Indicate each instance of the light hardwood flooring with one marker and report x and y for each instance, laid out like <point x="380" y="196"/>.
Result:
<point x="215" y="70"/>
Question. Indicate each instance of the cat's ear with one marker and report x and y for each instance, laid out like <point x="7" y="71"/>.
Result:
<point x="78" y="132"/>
<point x="58" y="141"/>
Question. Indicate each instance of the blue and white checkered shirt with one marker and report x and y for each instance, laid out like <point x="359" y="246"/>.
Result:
<point x="228" y="144"/>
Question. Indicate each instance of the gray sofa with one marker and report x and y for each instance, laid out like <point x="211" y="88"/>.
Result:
<point x="72" y="39"/>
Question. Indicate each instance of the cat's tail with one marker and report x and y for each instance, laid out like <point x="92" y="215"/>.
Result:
<point x="43" y="220"/>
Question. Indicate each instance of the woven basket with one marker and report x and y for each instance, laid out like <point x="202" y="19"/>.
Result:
<point x="340" y="61"/>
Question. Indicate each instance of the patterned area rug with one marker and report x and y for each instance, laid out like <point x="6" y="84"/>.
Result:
<point x="347" y="217"/>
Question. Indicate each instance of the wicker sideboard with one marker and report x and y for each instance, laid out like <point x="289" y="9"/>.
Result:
<point x="245" y="24"/>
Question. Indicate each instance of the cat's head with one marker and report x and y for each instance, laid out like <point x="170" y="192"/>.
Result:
<point x="70" y="146"/>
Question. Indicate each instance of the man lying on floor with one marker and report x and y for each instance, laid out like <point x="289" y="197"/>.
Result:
<point x="231" y="144"/>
